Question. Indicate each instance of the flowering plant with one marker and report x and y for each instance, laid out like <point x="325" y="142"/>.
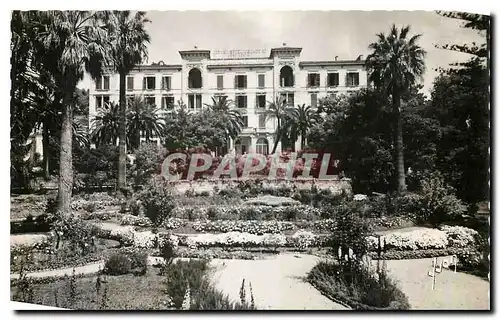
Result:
<point x="414" y="240"/>
<point x="303" y="239"/>
<point x="460" y="236"/>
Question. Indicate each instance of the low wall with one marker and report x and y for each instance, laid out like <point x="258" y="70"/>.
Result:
<point x="336" y="186"/>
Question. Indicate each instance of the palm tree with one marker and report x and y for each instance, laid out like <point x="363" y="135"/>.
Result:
<point x="395" y="64"/>
<point x="142" y="117"/>
<point x="73" y="41"/>
<point x="127" y="45"/>
<point x="105" y="126"/>
<point x="280" y="111"/>
<point x="231" y="119"/>
<point x="304" y="118"/>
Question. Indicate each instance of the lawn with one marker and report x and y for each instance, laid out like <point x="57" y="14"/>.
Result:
<point x="125" y="292"/>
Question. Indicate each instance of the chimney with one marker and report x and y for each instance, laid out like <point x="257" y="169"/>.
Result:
<point x="336" y="58"/>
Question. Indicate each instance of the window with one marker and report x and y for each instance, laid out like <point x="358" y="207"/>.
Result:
<point x="220" y="81"/>
<point x="150" y="100"/>
<point x="240" y="81"/>
<point x="262" y="80"/>
<point x="314" y="100"/>
<point x="333" y="79"/>
<point x="287" y="78"/>
<point x="288" y="96"/>
<point x="241" y="101"/>
<point x="352" y="79"/>
<point x="313" y="80"/>
<point x="101" y="101"/>
<point x="167" y="102"/>
<point x="149" y="83"/>
<point x="245" y="121"/>
<point x="262" y="146"/>
<point x="102" y="83"/>
<point x="260" y="101"/>
<point x="262" y="121"/>
<point x="166" y="83"/>
<point x="130" y="83"/>
<point x="195" y="81"/>
<point x="194" y="101"/>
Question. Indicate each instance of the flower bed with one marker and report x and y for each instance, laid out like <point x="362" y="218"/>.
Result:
<point x="415" y="254"/>
<point x="460" y="237"/>
<point x="250" y="226"/>
<point x="247" y="212"/>
<point x="414" y="240"/>
<point x="357" y="287"/>
<point x="234" y="239"/>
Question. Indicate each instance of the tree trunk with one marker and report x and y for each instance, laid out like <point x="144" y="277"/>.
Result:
<point x="396" y="104"/>
<point x="278" y="136"/>
<point x="302" y="141"/>
<point x="122" y="144"/>
<point x="45" y="146"/>
<point x="65" y="187"/>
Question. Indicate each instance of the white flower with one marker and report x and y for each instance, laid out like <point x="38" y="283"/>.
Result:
<point x="360" y="197"/>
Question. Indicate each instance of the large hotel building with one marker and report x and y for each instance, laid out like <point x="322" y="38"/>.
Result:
<point x="250" y="78"/>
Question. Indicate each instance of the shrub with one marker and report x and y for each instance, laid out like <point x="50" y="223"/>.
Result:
<point x="181" y="274"/>
<point x="130" y="220"/>
<point x="80" y="234"/>
<point x="350" y="233"/>
<point x="148" y="161"/>
<point x="209" y="298"/>
<point x="357" y="286"/>
<point x="157" y="200"/>
<point x="126" y="261"/>
<point x="303" y="239"/>
<point x="438" y="202"/>
<point x="117" y="264"/>
<point x="413" y="240"/>
<point x="460" y="237"/>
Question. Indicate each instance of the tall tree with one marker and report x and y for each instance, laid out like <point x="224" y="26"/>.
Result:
<point x="460" y="102"/>
<point x="304" y="118"/>
<point x="74" y="43"/>
<point x="105" y="126"/>
<point x="231" y="120"/>
<point x="279" y="110"/>
<point x="395" y="64"/>
<point x="127" y="45"/>
<point x="142" y="117"/>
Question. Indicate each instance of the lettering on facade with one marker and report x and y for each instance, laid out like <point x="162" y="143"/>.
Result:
<point x="239" y="54"/>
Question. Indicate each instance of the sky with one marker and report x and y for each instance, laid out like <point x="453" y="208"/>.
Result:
<point x="322" y="35"/>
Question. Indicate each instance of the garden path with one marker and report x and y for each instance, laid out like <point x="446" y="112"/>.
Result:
<point x="453" y="290"/>
<point x="277" y="283"/>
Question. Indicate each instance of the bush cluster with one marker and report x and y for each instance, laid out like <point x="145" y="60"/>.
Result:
<point x="126" y="261"/>
<point x="247" y="212"/>
<point x="357" y="286"/>
<point x="157" y="200"/>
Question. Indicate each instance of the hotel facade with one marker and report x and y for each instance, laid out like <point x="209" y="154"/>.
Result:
<point x="250" y="78"/>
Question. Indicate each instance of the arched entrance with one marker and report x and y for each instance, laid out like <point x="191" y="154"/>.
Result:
<point x="286" y="77"/>
<point x="194" y="79"/>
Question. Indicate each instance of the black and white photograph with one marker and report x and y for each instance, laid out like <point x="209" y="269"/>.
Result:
<point x="250" y="160"/>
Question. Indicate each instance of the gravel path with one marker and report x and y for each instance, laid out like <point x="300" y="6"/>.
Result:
<point x="277" y="283"/>
<point x="453" y="290"/>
